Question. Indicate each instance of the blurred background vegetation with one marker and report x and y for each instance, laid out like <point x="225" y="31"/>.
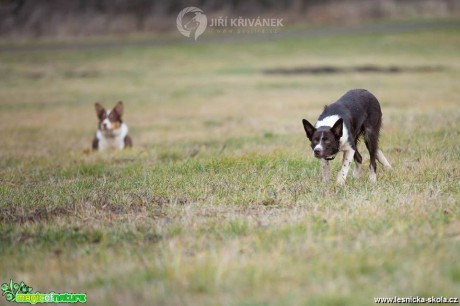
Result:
<point x="62" y="18"/>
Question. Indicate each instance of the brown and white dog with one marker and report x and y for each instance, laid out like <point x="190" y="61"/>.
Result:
<point x="112" y="132"/>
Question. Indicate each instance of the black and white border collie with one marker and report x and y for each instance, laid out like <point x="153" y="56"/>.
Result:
<point x="339" y="127"/>
<point x="112" y="132"/>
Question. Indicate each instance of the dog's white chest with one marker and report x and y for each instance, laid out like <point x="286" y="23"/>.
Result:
<point x="113" y="140"/>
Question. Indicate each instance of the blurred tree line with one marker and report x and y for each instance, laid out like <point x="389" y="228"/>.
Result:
<point x="93" y="17"/>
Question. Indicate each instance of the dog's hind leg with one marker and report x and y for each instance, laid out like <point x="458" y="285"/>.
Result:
<point x="371" y="141"/>
<point x="382" y="159"/>
<point x="358" y="161"/>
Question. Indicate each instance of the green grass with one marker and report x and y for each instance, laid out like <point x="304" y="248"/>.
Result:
<point x="221" y="201"/>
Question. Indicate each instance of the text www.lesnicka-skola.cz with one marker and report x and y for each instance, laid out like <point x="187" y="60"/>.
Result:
<point x="416" y="300"/>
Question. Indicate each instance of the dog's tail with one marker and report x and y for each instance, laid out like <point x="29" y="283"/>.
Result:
<point x="383" y="160"/>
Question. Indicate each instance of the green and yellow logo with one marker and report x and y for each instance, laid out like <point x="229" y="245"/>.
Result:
<point x="21" y="293"/>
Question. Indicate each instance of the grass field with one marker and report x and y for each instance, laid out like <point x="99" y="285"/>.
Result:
<point x="221" y="202"/>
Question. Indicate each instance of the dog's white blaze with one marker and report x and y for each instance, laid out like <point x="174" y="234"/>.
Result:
<point x="347" y="159"/>
<point x="330" y="121"/>
<point x="320" y="144"/>
<point x="108" y="124"/>
<point x="106" y="121"/>
<point x="382" y="159"/>
<point x="112" y="139"/>
<point x="319" y="147"/>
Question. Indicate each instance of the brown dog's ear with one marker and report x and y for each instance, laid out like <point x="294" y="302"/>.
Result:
<point x="100" y="110"/>
<point x="119" y="108"/>
<point x="337" y="129"/>
<point x="309" y="129"/>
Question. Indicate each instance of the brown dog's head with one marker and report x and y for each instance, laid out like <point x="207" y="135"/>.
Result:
<point x="109" y="120"/>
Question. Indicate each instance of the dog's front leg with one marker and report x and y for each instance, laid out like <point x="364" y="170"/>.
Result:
<point x="347" y="159"/>
<point x="325" y="170"/>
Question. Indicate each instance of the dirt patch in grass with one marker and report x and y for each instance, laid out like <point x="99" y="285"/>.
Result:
<point x="353" y="69"/>
<point x="35" y="215"/>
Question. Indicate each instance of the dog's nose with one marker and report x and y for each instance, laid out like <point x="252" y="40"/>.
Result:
<point x="317" y="151"/>
<point x="104" y="125"/>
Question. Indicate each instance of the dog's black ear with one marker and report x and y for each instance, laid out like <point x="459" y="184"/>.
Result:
<point x="309" y="129"/>
<point x="100" y="110"/>
<point x="337" y="129"/>
<point x="119" y="108"/>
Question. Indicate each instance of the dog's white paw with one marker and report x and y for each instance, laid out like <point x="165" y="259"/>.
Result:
<point x="373" y="178"/>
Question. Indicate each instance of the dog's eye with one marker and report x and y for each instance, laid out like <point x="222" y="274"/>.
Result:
<point x="326" y="141"/>
<point x="316" y="139"/>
